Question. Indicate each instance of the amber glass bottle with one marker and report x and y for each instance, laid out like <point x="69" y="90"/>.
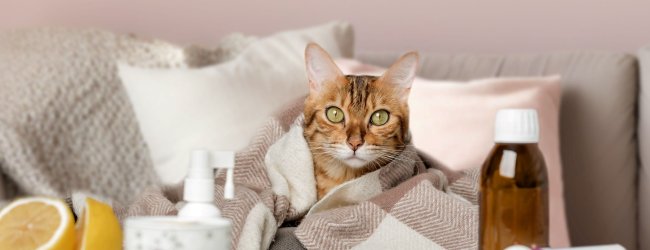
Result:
<point x="514" y="185"/>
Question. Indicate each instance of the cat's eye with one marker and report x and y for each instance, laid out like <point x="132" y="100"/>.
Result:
<point x="334" y="114"/>
<point x="379" y="117"/>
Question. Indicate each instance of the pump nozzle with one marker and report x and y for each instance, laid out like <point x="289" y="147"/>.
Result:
<point x="229" y="188"/>
<point x="226" y="159"/>
<point x="199" y="184"/>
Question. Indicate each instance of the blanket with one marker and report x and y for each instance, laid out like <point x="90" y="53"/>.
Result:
<point x="410" y="203"/>
<point x="66" y="123"/>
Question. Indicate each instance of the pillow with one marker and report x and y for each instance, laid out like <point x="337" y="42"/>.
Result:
<point x="221" y="107"/>
<point x="454" y="122"/>
<point x="65" y="121"/>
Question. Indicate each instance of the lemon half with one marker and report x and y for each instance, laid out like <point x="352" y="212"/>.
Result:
<point x="37" y="223"/>
<point x="98" y="227"/>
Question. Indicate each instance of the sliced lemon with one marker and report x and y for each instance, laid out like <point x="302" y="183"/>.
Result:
<point x="98" y="228"/>
<point x="37" y="223"/>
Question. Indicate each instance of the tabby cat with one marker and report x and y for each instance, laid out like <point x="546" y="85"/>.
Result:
<point x="354" y="124"/>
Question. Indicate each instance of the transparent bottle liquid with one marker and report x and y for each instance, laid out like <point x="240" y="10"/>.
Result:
<point x="514" y="185"/>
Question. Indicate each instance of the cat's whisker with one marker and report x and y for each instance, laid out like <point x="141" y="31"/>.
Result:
<point x="334" y="124"/>
<point x="402" y="160"/>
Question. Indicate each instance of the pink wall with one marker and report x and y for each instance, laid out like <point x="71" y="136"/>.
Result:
<point x="433" y="25"/>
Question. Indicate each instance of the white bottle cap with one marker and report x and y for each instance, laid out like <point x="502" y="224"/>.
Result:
<point x="516" y="126"/>
<point x="199" y="184"/>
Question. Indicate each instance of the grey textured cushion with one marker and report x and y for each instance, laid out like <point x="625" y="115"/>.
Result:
<point x="644" y="148"/>
<point x="66" y="123"/>
<point x="597" y="130"/>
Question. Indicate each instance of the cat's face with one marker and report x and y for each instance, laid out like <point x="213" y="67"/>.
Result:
<point x="359" y="121"/>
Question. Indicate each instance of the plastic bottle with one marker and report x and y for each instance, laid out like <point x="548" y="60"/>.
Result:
<point x="514" y="185"/>
<point x="198" y="191"/>
<point x="199" y="224"/>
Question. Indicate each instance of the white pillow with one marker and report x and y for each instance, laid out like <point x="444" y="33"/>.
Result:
<point x="221" y="107"/>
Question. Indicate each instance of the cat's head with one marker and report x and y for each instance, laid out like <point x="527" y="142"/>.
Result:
<point x="357" y="120"/>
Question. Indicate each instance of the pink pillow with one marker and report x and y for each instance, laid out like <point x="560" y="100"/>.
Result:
<point x="454" y="122"/>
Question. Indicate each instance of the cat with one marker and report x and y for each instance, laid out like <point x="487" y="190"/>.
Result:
<point x="354" y="124"/>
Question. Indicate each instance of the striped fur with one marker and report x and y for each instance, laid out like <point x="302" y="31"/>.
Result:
<point x="345" y="150"/>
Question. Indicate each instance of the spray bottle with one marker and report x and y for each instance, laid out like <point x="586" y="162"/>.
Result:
<point x="199" y="224"/>
<point x="199" y="184"/>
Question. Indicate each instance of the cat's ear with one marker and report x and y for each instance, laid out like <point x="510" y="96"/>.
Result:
<point x="320" y="67"/>
<point x="402" y="72"/>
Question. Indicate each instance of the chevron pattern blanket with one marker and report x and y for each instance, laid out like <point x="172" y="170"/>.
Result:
<point x="410" y="203"/>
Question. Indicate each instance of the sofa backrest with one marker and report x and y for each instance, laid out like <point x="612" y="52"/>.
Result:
<point x="598" y="131"/>
<point x="644" y="148"/>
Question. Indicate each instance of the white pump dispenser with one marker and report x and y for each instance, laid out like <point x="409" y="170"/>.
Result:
<point x="198" y="192"/>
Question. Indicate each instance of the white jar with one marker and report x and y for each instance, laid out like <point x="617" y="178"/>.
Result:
<point x="171" y="232"/>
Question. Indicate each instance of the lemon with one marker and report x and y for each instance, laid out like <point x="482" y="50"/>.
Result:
<point x="98" y="228"/>
<point x="37" y="223"/>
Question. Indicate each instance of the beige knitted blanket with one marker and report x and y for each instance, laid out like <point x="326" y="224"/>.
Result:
<point x="407" y="204"/>
<point x="66" y="123"/>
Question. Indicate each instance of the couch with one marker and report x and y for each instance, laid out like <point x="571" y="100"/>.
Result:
<point x="601" y="123"/>
<point x="605" y="133"/>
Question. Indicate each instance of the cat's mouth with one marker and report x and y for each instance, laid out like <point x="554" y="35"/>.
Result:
<point x="355" y="161"/>
<point x="353" y="158"/>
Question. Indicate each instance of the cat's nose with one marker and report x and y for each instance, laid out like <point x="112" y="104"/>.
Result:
<point x="355" y="142"/>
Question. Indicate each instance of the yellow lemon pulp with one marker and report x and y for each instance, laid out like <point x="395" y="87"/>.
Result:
<point x="37" y="223"/>
<point x="98" y="228"/>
